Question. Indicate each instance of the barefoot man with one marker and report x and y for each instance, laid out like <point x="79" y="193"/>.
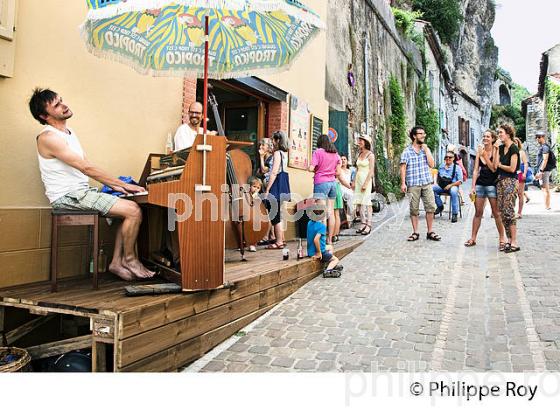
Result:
<point x="65" y="171"/>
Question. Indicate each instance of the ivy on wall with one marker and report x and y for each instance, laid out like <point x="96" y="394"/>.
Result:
<point x="426" y="116"/>
<point x="387" y="182"/>
<point x="397" y="120"/>
<point x="553" y="109"/>
<point x="553" y="103"/>
<point x="404" y="20"/>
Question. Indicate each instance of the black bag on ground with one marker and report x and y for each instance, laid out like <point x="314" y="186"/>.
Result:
<point x="444" y="181"/>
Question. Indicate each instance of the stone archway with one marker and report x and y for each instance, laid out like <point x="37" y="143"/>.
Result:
<point x="505" y="97"/>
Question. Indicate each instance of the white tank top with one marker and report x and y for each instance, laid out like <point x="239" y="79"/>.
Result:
<point x="60" y="178"/>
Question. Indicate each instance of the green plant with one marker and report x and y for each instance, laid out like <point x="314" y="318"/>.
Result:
<point x="397" y="119"/>
<point x="404" y="20"/>
<point x="445" y="16"/>
<point x="552" y="99"/>
<point x="426" y="116"/>
<point x="510" y="114"/>
<point x="386" y="181"/>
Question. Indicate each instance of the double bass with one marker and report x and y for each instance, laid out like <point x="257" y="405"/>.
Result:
<point x="248" y="222"/>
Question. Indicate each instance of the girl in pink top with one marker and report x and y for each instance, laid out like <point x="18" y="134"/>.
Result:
<point x="325" y="163"/>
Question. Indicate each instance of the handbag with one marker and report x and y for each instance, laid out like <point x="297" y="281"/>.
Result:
<point x="444" y="181"/>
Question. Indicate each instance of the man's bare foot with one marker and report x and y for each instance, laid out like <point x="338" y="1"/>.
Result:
<point x="136" y="267"/>
<point x="121" y="271"/>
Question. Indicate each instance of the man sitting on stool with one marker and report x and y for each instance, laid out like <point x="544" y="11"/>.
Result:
<point x="65" y="171"/>
<point x="449" y="178"/>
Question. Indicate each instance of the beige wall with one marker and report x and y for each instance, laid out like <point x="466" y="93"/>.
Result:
<point x="306" y="80"/>
<point x="119" y="115"/>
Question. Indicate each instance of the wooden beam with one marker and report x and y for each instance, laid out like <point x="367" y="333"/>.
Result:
<point x="98" y="357"/>
<point x="59" y="347"/>
<point x="16" y="334"/>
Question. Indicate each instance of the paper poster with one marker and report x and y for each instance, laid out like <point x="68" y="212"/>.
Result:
<point x="300" y="125"/>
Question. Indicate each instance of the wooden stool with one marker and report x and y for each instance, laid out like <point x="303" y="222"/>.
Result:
<point x="64" y="217"/>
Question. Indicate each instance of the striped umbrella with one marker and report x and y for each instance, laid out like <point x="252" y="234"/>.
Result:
<point x="167" y="37"/>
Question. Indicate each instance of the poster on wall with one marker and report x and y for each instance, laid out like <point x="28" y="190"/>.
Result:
<point x="299" y="134"/>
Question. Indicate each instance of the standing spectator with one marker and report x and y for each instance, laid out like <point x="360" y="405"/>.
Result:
<point x="484" y="181"/>
<point x="546" y="162"/>
<point x="416" y="179"/>
<point x="506" y="160"/>
<point x="278" y="188"/>
<point x="449" y="179"/>
<point x="521" y="176"/>
<point x="255" y="186"/>
<point x="325" y="164"/>
<point x="266" y="149"/>
<point x="345" y="179"/>
<point x="365" y="165"/>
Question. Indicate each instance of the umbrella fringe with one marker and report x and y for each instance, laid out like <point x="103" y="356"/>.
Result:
<point x="302" y="14"/>
<point x="199" y="73"/>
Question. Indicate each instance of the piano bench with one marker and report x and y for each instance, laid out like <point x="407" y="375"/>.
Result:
<point x="64" y="217"/>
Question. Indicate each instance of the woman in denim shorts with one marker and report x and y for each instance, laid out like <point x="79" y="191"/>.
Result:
<point x="325" y="164"/>
<point x="484" y="181"/>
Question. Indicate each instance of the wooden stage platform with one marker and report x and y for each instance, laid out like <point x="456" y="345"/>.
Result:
<point x="164" y="332"/>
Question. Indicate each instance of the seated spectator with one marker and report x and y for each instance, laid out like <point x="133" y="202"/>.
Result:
<point x="317" y="247"/>
<point x="449" y="179"/>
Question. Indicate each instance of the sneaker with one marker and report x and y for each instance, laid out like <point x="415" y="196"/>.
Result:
<point x="339" y="268"/>
<point x="439" y="210"/>
<point x="454" y="218"/>
<point x="331" y="273"/>
<point x="252" y="248"/>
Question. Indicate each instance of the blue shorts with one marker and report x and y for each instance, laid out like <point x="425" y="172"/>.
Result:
<point x="326" y="257"/>
<point x="325" y="190"/>
<point x="486" y="191"/>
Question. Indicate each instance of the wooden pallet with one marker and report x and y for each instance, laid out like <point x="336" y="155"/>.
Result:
<point x="166" y="332"/>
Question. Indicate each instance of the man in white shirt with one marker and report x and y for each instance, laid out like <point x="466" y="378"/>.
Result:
<point x="65" y="171"/>
<point x="186" y="133"/>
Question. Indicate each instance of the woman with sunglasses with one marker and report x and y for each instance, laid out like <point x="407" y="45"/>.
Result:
<point x="484" y="181"/>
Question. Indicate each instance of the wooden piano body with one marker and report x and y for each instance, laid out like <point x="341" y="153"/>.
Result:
<point x="201" y="237"/>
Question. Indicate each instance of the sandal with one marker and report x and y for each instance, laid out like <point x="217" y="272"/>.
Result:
<point x="414" y="237"/>
<point x="512" y="249"/>
<point x="364" y="230"/>
<point x="361" y="230"/>
<point x="432" y="236"/>
<point x="275" y="246"/>
<point x="502" y="246"/>
<point x="507" y="247"/>
<point x="335" y="239"/>
<point x="470" y="243"/>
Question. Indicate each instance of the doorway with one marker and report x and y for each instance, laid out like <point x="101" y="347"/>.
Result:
<point x="243" y="115"/>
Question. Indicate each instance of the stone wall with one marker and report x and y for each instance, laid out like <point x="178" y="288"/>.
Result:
<point x="475" y="57"/>
<point x="363" y="33"/>
<point x="536" y="121"/>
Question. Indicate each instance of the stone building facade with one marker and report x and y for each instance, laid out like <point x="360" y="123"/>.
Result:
<point x="364" y="49"/>
<point x="534" y="112"/>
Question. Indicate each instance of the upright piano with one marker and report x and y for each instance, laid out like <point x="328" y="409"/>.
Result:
<point x="198" y="175"/>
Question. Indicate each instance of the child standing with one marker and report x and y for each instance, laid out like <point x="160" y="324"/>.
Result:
<point x="317" y="247"/>
<point x="255" y="186"/>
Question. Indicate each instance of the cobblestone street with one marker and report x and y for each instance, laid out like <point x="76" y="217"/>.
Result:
<point x="421" y="306"/>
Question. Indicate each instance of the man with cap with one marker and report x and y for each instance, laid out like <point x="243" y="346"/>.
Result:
<point x="546" y="162"/>
<point x="417" y="180"/>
